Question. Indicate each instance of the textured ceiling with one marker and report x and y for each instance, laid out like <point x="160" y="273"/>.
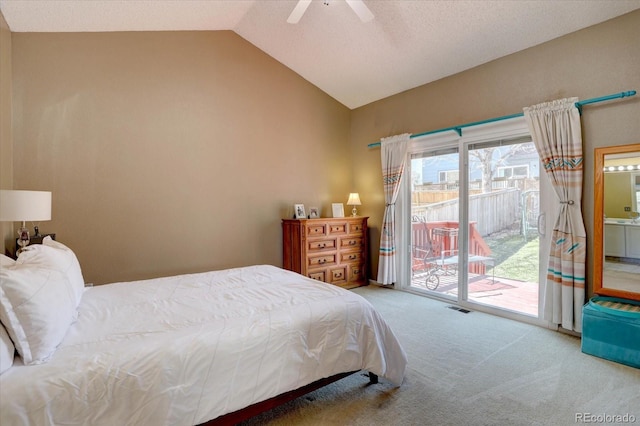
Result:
<point x="407" y="44"/>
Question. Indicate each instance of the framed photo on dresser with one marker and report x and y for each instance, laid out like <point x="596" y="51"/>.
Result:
<point x="337" y="209"/>
<point x="314" y="213"/>
<point x="298" y="211"/>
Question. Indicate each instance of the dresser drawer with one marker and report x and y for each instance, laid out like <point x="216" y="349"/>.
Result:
<point x="316" y="261"/>
<point x="356" y="272"/>
<point x="356" y="228"/>
<point x="353" y="256"/>
<point x="318" y="275"/>
<point x="338" y="228"/>
<point x="353" y="242"/>
<point x="316" y="229"/>
<point x="318" y="245"/>
<point x="338" y="275"/>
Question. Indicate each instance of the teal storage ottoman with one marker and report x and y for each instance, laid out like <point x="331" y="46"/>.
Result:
<point x="611" y="329"/>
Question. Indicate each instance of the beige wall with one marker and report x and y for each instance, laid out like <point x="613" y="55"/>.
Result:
<point x="597" y="61"/>
<point x="6" y="140"/>
<point x="171" y="152"/>
<point x="617" y="194"/>
<point x="178" y="152"/>
<point x="618" y="188"/>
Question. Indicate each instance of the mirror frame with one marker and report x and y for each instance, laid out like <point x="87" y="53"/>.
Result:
<point x="598" y="222"/>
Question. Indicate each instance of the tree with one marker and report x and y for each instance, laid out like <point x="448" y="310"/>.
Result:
<point x="488" y="164"/>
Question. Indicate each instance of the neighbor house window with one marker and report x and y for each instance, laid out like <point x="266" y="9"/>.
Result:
<point x="513" y="171"/>
<point x="449" y="176"/>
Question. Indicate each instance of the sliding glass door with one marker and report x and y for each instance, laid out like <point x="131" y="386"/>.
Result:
<point x="504" y="213"/>
<point x="435" y="210"/>
<point x="477" y="223"/>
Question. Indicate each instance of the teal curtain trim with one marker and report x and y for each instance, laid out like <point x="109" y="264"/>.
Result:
<point x="573" y="247"/>
<point x="559" y="274"/>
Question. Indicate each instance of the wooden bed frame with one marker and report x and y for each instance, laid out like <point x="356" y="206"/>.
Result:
<point x="260" y="407"/>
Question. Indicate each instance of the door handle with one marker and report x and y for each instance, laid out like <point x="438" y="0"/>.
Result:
<point x="541" y="223"/>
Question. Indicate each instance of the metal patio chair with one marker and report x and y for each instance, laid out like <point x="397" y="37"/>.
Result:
<point x="427" y="255"/>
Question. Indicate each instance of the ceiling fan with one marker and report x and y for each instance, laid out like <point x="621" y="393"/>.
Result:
<point x="358" y="7"/>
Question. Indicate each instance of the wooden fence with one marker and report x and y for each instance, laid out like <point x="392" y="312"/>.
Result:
<point x="492" y="212"/>
<point x="497" y="183"/>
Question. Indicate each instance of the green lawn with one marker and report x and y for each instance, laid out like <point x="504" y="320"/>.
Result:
<point x="515" y="258"/>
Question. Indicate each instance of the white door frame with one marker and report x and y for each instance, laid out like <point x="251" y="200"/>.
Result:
<point x="488" y="132"/>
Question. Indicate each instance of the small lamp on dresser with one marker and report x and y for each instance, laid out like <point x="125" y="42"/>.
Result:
<point x="354" y="200"/>
<point x="22" y="206"/>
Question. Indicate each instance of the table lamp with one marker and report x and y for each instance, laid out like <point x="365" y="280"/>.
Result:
<point x="23" y="206"/>
<point x="354" y="200"/>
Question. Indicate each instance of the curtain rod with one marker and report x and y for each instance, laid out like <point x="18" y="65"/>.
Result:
<point x="458" y="128"/>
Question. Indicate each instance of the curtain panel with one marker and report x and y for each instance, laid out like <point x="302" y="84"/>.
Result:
<point x="394" y="157"/>
<point x="557" y="134"/>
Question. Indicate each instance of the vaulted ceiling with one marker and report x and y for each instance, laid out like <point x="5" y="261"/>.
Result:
<point x="406" y="44"/>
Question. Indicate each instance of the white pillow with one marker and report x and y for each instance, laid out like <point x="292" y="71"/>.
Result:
<point x="69" y="264"/>
<point x="6" y="261"/>
<point x="37" y="306"/>
<point x="7" y="350"/>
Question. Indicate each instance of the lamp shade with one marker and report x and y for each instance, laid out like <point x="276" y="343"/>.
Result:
<point x="354" y="199"/>
<point x="20" y="206"/>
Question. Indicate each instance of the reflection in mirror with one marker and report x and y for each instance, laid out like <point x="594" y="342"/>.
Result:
<point x="617" y="221"/>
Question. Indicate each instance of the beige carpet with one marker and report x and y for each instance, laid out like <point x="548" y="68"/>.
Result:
<point x="472" y="369"/>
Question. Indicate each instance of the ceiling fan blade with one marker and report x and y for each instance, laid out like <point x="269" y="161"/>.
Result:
<point x="361" y="10"/>
<point x="298" y="11"/>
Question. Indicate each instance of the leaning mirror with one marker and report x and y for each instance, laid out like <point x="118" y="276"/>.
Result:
<point x="616" y="243"/>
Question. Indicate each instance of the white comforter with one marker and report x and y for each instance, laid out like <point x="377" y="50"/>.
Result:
<point x="186" y="349"/>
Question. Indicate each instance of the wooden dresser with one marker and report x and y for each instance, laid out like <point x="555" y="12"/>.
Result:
<point x="333" y="250"/>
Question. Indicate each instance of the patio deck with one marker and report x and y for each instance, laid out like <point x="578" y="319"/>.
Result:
<point x="513" y="295"/>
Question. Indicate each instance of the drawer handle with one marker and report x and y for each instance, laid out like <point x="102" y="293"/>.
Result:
<point x="352" y="243"/>
<point x="322" y="261"/>
<point x="352" y="257"/>
<point x="323" y="245"/>
<point x="338" y="275"/>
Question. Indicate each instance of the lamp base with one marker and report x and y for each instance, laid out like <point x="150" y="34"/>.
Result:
<point x="354" y="212"/>
<point x="23" y="239"/>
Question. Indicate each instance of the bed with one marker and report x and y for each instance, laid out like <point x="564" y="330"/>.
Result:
<point x="181" y="350"/>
